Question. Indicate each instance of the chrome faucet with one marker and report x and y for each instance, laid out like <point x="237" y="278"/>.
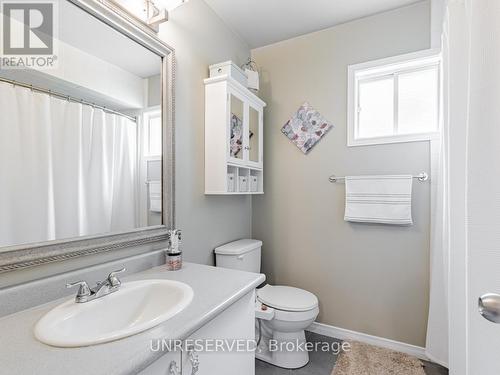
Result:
<point x="102" y="288"/>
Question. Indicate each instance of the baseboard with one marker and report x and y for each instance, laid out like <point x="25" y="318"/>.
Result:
<point x="345" y="334"/>
<point x="435" y="360"/>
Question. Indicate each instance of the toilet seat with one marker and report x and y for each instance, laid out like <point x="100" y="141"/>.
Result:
<point x="287" y="298"/>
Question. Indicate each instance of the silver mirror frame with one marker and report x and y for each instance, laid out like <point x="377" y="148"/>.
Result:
<point x="31" y="255"/>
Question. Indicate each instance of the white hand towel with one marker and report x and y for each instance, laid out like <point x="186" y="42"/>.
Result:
<point x="155" y="196"/>
<point x="378" y="199"/>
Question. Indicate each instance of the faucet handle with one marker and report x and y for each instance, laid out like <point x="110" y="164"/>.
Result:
<point x="113" y="280"/>
<point x="83" y="290"/>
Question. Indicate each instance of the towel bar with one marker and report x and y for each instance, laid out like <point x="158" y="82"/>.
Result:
<point x="421" y="177"/>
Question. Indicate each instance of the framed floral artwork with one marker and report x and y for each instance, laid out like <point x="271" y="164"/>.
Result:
<point x="306" y="127"/>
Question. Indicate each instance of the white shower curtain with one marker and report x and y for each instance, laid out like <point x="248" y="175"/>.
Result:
<point x="66" y="169"/>
<point x="437" y="326"/>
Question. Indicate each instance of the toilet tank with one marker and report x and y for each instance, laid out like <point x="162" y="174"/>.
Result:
<point x="241" y="255"/>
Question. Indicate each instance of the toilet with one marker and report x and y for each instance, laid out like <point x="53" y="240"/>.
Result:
<point x="282" y="312"/>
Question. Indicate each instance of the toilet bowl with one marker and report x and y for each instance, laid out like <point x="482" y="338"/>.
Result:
<point x="282" y="312"/>
<point x="282" y="337"/>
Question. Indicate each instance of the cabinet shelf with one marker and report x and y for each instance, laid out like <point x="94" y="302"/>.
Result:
<point x="240" y="166"/>
<point x="234" y="120"/>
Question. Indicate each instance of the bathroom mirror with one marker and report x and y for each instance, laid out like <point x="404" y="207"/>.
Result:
<point x="86" y="134"/>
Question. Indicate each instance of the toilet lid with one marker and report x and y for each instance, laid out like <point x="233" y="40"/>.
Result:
<point x="287" y="298"/>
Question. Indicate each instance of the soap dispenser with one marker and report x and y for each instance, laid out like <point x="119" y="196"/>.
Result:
<point x="174" y="253"/>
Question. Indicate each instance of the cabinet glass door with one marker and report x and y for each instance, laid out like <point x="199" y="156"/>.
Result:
<point x="236" y="121"/>
<point x="254" y="136"/>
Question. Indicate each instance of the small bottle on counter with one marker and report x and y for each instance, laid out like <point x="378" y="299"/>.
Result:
<point x="173" y="253"/>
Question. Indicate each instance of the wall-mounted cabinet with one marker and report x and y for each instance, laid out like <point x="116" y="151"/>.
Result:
<point x="234" y="121"/>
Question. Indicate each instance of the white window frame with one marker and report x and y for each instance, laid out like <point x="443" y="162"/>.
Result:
<point x="144" y="159"/>
<point x="149" y="113"/>
<point x="378" y="69"/>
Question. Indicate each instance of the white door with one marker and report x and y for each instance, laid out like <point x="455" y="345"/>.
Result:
<point x="475" y="341"/>
<point x="484" y="187"/>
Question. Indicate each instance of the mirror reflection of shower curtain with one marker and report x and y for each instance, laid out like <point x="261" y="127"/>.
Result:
<point x="66" y="169"/>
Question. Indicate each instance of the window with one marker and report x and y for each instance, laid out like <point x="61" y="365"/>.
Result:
<point x="394" y="100"/>
<point x="152" y="133"/>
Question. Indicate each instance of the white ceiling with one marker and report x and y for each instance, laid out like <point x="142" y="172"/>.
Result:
<point x="262" y="22"/>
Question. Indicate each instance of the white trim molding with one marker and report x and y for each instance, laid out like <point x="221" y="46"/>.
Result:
<point x="345" y="334"/>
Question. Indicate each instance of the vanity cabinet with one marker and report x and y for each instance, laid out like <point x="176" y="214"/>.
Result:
<point x="168" y="364"/>
<point x="234" y="122"/>
<point x="234" y="325"/>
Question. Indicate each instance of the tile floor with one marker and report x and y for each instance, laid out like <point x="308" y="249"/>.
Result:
<point x="434" y="369"/>
<point x="321" y="363"/>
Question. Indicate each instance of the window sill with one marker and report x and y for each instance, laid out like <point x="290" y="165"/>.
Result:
<point x="392" y="139"/>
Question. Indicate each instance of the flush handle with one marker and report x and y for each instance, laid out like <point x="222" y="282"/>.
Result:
<point x="489" y="307"/>
<point x="240" y="257"/>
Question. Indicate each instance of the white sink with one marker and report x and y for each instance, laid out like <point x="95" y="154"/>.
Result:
<point x="135" y="307"/>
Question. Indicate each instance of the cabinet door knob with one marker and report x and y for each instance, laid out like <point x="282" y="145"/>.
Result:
<point x="173" y="369"/>
<point x="195" y="361"/>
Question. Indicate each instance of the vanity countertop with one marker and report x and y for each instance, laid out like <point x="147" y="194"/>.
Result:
<point x="214" y="290"/>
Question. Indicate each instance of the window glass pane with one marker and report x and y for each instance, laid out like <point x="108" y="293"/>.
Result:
<point x="418" y="101"/>
<point x="376" y="108"/>
<point x="155" y="135"/>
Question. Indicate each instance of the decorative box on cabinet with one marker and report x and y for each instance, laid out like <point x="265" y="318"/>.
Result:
<point x="234" y="122"/>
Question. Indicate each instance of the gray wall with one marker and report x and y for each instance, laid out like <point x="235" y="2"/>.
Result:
<point x="368" y="278"/>
<point x="200" y="38"/>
